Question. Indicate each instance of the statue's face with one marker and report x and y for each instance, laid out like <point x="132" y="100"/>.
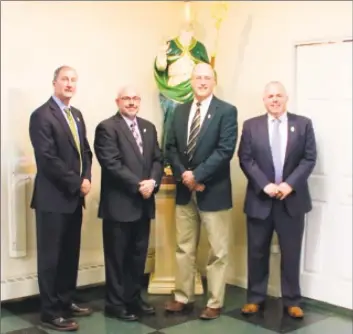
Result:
<point x="128" y="102"/>
<point x="203" y="81"/>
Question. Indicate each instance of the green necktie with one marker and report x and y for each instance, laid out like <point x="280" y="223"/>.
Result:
<point x="74" y="133"/>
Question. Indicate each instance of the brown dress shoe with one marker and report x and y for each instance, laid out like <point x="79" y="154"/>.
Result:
<point x="210" y="313"/>
<point x="174" y="306"/>
<point x="249" y="309"/>
<point x="295" y="312"/>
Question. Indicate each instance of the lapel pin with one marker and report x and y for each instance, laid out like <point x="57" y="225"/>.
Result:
<point x="292" y="129"/>
<point x="78" y="119"/>
<point x="209" y="116"/>
<point x="144" y="130"/>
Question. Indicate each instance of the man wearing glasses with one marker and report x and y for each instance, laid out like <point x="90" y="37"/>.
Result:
<point x="127" y="149"/>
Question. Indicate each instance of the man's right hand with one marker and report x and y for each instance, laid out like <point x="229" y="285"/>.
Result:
<point x="199" y="187"/>
<point x="271" y="189"/>
<point x="85" y="187"/>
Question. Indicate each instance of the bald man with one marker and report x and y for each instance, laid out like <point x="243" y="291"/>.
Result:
<point x="127" y="149"/>
<point x="202" y="142"/>
<point x="277" y="154"/>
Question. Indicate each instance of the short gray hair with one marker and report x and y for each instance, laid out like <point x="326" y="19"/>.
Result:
<point x="58" y="70"/>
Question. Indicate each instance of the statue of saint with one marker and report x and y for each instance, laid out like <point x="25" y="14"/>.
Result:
<point x="172" y="71"/>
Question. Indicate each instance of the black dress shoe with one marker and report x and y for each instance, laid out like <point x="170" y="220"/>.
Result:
<point x="76" y="311"/>
<point x="140" y="306"/>
<point x="122" y="314"/>
<point x="61" y="324"/>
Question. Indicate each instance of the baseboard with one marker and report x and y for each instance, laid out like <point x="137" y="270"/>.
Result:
<point x="27" y="285"/>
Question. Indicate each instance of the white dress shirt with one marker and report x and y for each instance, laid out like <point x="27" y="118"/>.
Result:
<point x="203" y="111"/>
<point x="283" y="129"/>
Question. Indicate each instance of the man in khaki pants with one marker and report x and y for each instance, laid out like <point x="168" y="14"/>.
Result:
<point x="200" y="146"/>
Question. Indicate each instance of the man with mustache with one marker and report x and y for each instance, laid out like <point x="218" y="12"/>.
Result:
<point x="63" y="157"/>
<point x="202" y="142"/>
<point x="131" y="168"/>
<point x="277" y="154"/>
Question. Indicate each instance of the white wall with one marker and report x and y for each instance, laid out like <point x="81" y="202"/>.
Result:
<point x="110" y="44"/>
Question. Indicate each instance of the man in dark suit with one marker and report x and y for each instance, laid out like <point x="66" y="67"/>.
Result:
<point x="63" y="158"/>
<point x="277" y="154"/>
<point x="202" y="143"/>
<point x="128" y="152"/>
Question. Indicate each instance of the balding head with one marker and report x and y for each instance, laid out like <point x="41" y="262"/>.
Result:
<point x="203" y="81"/>
<point x="128" y="101"/>
<point x="275" y="98"/>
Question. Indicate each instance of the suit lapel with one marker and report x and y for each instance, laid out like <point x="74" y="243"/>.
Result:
<point x="291" y="135"/>
<point x="264" y="136"/>
<point x="61" y="118"/>
<point x="129" y="136"/>
<point x="144" y="134"/>
<point x="184" y="124"/>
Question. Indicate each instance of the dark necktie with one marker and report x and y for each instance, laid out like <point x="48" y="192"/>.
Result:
<point x="194" y="131"/>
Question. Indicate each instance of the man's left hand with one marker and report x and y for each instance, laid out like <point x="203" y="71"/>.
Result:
<point x="284" y="189"/>
<point x="189" y="179"/>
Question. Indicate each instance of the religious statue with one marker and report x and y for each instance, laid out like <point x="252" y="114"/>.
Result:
<point x="172" y="71"/>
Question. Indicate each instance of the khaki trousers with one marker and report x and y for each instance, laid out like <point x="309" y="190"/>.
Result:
<point x="188" y="223"/>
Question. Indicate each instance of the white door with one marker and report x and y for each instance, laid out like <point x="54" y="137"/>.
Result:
<point x="324" y="93"/>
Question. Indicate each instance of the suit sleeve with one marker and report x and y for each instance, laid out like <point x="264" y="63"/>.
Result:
<point x="86" y="155"/>
<point x="172" y="152"/>
<point x="110" y="158"/>
<point x="45" y="151"/>
<point x="248" y="165"/>
<point x="306" y="165"/>
<point x="157" y="162"/>
<point x="224" y="151"/>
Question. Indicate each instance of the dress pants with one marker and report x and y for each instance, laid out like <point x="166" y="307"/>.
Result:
<point x="58" y="249"/>
<point x="188" y="223"/>
<point x="290" y="234"/>
<point x="125" y="250"/>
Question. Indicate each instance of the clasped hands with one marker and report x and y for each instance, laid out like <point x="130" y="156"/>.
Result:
<point x="280" y="191"/>
<point x="188" y="180"/>
<point x="146" y="188"/>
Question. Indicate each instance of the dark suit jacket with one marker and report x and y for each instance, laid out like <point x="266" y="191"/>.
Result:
<point x="256" y="162"/>
<point x="124" y="167"/>
<point x="58" y="179"/>
<point x="211" y="159"/>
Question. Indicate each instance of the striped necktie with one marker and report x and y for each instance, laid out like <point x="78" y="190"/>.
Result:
<point x="74" y="132"/>
<point x="137" y="136"/>
<point x="194" y="132"/>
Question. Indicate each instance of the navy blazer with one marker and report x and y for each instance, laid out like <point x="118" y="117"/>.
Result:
<point x="256" y="162"/>
<point x="214" y="150"/>
<point x="58" y="180"/>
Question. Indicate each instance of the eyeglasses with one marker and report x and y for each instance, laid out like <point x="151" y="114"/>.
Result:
<point x="129" y="99"/>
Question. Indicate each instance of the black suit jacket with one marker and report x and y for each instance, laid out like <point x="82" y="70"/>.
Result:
<point x="211" y="159"/>
<point x="124" y="167"/>
<point x="58" y="180"/>
<point x="256" y="162"/>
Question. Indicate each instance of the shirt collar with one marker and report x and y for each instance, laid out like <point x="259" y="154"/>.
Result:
<point x="60" y="103"/>
<point x="129" y="121"/>
<point x="205" y="102"/>
<point x="283" y="117"/>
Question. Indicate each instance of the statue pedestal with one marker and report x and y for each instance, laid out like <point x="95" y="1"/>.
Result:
<point x="162" y="279"/>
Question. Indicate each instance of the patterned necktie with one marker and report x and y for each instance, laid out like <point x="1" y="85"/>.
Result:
<point x="137" y="137"/>
<point x="277" y="151"/>
<point x="74" y="132"/>
<point x="194" y="132"/>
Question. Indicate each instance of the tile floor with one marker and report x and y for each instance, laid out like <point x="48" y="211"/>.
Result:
<point x="21" y="317"/>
